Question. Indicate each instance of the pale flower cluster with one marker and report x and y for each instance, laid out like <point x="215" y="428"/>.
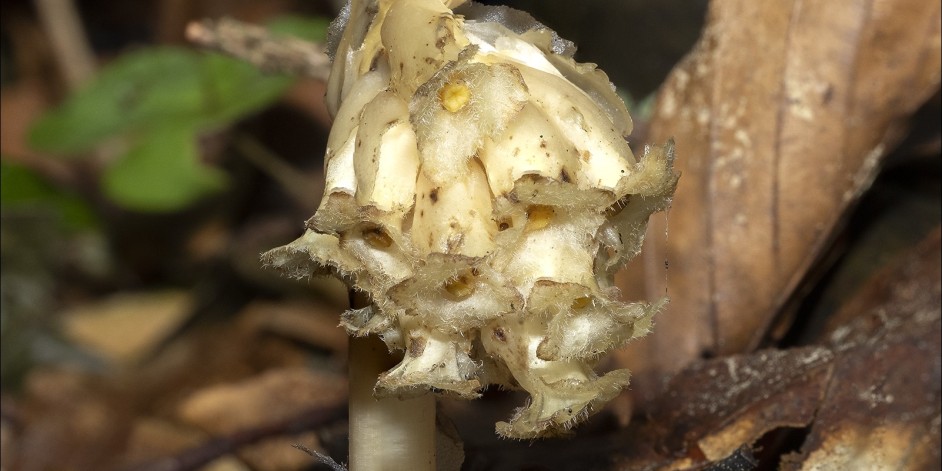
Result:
<point x="481" y="191"/>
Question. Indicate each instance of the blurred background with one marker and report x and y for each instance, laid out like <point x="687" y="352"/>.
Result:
<point x="141" y="179"/>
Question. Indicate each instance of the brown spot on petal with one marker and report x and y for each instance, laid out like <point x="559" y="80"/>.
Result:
<point x="564" y="176"/>
<point x="416" y="346"/>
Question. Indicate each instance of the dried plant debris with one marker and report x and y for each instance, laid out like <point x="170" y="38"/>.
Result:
<point x="273" y="397"/>
<point x="480" y="189"/>
<point x="127" y="327"/>
<point x="782" y="113"/>
<point x="327" y="460"/>
<point x="745" y="397"/>
<point x="870" y="398"/>
<point x="882" y="409"/>
<point x="743" y="459"/>
<point x="714" y="408"/>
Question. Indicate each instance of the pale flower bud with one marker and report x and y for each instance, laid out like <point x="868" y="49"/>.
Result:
<point x="481" y="191"/>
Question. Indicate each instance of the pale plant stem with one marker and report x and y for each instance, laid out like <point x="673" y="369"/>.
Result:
<point x="387" y="433"/>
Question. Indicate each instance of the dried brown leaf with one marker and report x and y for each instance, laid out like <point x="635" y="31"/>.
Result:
<point x="883" y="408"/>
<point x="311" y="323"/>
<point x="905" y="285"/>
<point x="742" y="398"/>
<point x="781" y="115"/>
<point x="870" y="399"/>
<point x="273" y="397"/>
<point x="65" y="419"/>
<point x="152" y="438"/>
<point x="126" y="327"/>
<point x="715" y="407"/>
<point x="277" y="395"/>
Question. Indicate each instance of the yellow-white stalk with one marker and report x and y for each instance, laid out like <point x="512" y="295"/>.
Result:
<point x="386" y="433"/>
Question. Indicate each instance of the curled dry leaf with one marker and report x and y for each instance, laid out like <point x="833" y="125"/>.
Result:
<point x="870" y="399"/>
<point x="782" y="114"/>
<point x="882" y="409"/>
<point x="714" y="408"/>
<point x="742" y="398"/>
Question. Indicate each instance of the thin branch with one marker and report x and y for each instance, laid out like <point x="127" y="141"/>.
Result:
<point x="199" y="456"/>
<point x="63" y="24"/>
<point x="322" y="457"/>
<point x="293" y="181"/>
<point x="260" y="47"/>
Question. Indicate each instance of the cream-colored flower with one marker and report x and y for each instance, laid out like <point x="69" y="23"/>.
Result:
<point x="481" y="191"/>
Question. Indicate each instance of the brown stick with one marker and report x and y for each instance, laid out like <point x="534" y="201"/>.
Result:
<point x="258" y="46"/>
<point x="74" y="56"/>
<point x="201" y="455"/>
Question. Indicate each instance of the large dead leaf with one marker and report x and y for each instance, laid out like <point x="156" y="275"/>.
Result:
<point x="883" y="408"/>
<point x="738" y="399"/>
<point x="870" y="399"/>
<point x="781" y="115"/>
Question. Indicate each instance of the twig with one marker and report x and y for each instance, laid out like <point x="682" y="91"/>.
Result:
<point x="77" y="63"/>
<point x="258" y="46"/>
<point x="201" y="455"/>
<point x="63" y="25"/>
<point x="293" y="181"/>
<point x="322" y="457"/>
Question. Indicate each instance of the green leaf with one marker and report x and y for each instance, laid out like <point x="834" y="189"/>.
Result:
<point x="152" y="87"/>
<point x="162" y="172"/>
<point x="23" y="189"/>
<point x="138" y="88"/>
<point x="234" y="89"/>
